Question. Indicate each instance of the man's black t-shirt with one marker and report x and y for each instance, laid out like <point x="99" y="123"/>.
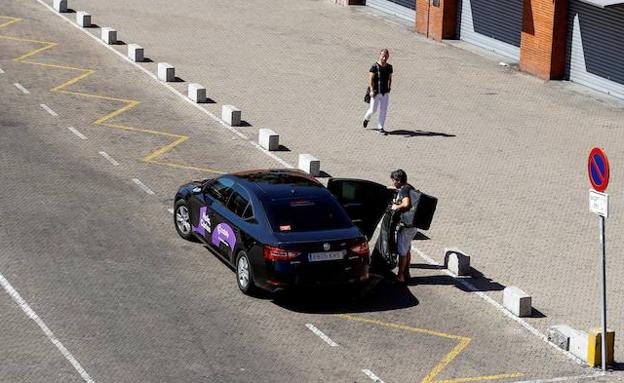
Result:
<point x="384" y="72"/>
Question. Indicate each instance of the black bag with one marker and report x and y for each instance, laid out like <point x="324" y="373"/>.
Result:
<point x="385" y="253"/>
<point x="367" y="95"/>
<point x="420" y="214"/>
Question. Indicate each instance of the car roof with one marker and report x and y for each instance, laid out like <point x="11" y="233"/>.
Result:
<point x="280" y="183"/>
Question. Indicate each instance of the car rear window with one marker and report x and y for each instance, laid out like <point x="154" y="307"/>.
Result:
<point x="306" y="214"/>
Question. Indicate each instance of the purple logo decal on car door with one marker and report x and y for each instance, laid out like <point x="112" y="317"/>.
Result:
<point x="223" y="233"/>
<point x="204" y="222"/>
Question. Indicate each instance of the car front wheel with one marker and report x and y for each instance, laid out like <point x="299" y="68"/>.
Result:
<point x="182" y="220"/>
<point x="244" y="276"/>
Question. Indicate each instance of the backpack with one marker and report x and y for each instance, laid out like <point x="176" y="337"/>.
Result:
<point x="420" y="213"/>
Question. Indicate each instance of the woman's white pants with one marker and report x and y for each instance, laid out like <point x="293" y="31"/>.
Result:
<point x="381" y="101"/>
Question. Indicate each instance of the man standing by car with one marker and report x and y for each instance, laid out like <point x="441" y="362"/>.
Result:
<point x="405" y="235"/>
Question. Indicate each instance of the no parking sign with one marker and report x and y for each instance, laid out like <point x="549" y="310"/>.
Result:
<point x="598" y="171"/>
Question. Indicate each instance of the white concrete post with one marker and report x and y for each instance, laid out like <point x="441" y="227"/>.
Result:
<point x="60" y="5"/>
<point x="457" y="262"/>
<point x="309" y="164"/>
<point x="166" y="72"/>
<point x="517" y="301"/>
<point x="268" y="139"/>
<point x="231" y="115"/>
<point x="109" y="35"/>
<point x="197" y="92"/>
<point x="135" y="52"/>
<point x="83" y="19"/>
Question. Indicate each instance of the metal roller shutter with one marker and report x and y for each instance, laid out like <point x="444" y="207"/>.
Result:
<point x="595" y="47"/>
<point x="405" y="9"/>
<point x="494" y="25"/>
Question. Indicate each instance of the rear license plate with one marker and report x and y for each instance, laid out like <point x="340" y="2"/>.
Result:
<point x="326" y="256"/>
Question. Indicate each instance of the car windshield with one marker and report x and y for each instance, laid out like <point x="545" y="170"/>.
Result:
<point x="306" y="214"/>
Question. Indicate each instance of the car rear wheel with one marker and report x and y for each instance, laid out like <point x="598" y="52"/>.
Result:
<point x="182" y="220"/>
<point x="244" y="276"/>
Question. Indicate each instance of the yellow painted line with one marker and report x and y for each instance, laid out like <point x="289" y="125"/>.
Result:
<point x="402" y="327"/>
<point x="130" y="104"/>
<point x="445" y="361"/>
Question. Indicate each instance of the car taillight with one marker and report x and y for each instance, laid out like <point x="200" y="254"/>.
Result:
<point x="276" y="254"/>
<point x="360" y="248"/>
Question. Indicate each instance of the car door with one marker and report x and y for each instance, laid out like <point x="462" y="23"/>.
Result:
<point x="206" y="203"/>
<point x="364" y="201"/>
<point x="225" y="234"/>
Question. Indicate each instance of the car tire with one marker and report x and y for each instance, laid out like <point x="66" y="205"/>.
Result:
<point x="182" y="221"/>
<point x="244" y="274"/>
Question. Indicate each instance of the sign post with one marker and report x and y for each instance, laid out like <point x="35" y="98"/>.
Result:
<point x="598" y="170"/>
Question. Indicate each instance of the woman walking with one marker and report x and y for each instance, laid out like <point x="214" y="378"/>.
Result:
<point x="379" y="82"/>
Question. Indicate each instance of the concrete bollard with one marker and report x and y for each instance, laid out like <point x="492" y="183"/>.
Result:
<point x="135" y="52"/>
<point x="231" y="115"/>
<point x="166" y="72"/>
<point x="83" y="19"/>
<point x="560" y="335"/>
<point x="196" y="92"/>
<point x="594" y="347"/>
<point x="310" y="164"/>
<point x="268" y="139"/>
<point x="579" y="341"/>
<point x="60" y="6"/>
<point x="109" y="35"/>
<point x="517" y="301"/>
<point x="457" y="262"/>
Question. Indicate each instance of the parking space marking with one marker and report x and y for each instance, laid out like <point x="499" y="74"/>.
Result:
<point x="21" y="87"/>
<point x="77" y="133"/>
<point x="374" y="377"/>
<point x="17" y="298"/>
<point x="48" y="109"/>
<point x="321" y="335"/>
<point x="153" y="76"/>
<point x="143" y="186"/>
<point x="498" y="306"/>
<point x="446" y="360"/>
<point x="151" y="157"/>
<point x="109" y="158"/>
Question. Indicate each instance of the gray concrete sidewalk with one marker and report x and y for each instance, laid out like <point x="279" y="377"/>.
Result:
<point x="504" y="152"/>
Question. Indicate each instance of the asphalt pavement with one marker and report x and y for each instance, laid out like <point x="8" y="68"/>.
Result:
<point x="99" y="287"/>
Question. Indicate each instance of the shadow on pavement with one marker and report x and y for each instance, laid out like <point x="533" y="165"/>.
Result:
<point x="379" y="295"/>
<point x="416" y="133"/>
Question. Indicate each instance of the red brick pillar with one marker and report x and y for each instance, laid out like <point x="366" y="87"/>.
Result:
<point x="543" y="39"/>
<point x="436" y="18"/>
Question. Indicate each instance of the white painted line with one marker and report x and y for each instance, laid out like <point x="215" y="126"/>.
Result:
<point x="170" y="210"/>
<point x="153" y="76"/>
<point x="142" y="186"/>
<point x="48" y="109"/>
<point x="499" y="307"/>
<point x="32" y="315"/>
<point x="374" y="377"/>
<point x="77" y="133"/>
<point x="1" y="71"/>
<point x="563" y="378"/>
<point x="109" y="158"/>
<point x="21" y="87"/>
<point x="321" y="335"/>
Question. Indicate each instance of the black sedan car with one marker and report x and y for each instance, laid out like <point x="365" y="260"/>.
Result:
<point x="283" y="228"/>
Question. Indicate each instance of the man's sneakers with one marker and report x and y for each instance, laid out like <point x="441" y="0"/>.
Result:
<point x="382" y="131"/>
<point x="365" y="123"/>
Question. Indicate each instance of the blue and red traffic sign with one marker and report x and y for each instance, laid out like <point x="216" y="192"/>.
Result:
<point x="598" y="169"/>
